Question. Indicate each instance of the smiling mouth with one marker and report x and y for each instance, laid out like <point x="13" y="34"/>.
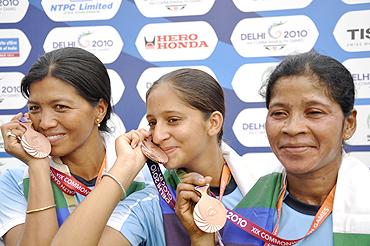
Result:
<point x="169" y="150"/>
<point x="54" y="138"/>
<point x="296" y="149"/>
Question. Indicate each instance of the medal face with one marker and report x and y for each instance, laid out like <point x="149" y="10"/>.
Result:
<point x="33" y="142"/>
<point x="209" y="213"/>
<point x="153" y="152"/>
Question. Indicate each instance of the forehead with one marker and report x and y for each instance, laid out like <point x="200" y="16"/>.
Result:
<point x="299" y="88"/>
<point x="50" y="82"/>
<point x="50" y="87"/>
<point x="165" y="97"/>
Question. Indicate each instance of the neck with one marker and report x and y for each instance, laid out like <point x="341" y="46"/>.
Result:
<point x="313" y="188"/>
<point x="210" y="165"/>
<point x="87" y="160"/>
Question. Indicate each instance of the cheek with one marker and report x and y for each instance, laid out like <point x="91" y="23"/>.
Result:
<point x="271" y="130"/>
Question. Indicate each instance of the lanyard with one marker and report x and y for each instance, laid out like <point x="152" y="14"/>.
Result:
<point x="69" y="184"/>
<point x="164" y="191"/>
<point x="324" y="211"/>
<point x="241" y="222"/>
<point x="225" y="176"/>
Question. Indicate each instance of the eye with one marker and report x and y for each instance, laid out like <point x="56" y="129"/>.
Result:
<point x="61" y="108"/>
<point x="151" y="123"/>
<point x="173" y="120"/>
<point x="315" y="113"/>
<point x="278" y="114"/>
<point x="33" y="108"/>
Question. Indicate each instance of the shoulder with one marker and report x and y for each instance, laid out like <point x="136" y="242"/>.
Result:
<point x="12" y="201"/>
<point x="138" y="217"/>
<point x="139" y="201"/>
<point x="353" y="168"/>
<point x="351" y="205"/>
<point x="12" y="176"/>
<point x="247" y="169"/>
<point x="138" y="206"/>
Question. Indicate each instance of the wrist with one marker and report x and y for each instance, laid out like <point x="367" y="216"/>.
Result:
<point x="39" y="165"/>
<point x="205" y="239"/>
<point x="125" y="173"/>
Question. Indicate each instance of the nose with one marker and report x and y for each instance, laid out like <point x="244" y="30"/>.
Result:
<point x="45" y="120"/>
<point x="160" y="133"/>
<point x="294" y="125"/>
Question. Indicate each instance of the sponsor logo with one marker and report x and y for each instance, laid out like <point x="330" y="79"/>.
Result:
<point x="352" y="33"/>
<point x="10" y="91"/>
<point x="176" y="41"/>
<point x="362" y="133"/>
<point x="355" y="1"/>
<point x="360" y="71"/>
<point x="103" y="41"/>
<point x="249" y="79"/>
<point x="117" y="86"/>
<point x="267" y="5"/>
<point x="14" y="47"/>
<point x="12" y="11"/>
<point x="72" y="10"/>
<point x="152" y="74"/>
<point x="160" y="8"/>
<point x="249" y="127"/>
<point x="9" y="47"/>
<point x="274" y="36"/>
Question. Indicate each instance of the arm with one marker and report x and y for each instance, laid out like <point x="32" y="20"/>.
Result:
<point x="186" y="198"/>
<point x="39" y="227"/>
<point x="100" y="204"/>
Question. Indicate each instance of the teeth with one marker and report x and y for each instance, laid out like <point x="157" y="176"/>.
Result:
<point x="54" y="137"/>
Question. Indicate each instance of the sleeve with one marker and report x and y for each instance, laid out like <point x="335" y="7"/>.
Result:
<point x="12" y="201"/>
<point x="139" y="217"/>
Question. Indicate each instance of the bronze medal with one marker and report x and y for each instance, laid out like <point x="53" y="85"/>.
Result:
<point x="153" y="152"/>
<point x="33" y="142"/>
<point x="209" y="213"/>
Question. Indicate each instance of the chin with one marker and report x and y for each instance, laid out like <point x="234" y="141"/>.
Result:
<point x="300" y="170"/>
<point x="171" y="165"/>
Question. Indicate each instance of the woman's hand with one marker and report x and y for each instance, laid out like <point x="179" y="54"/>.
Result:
<point x="128" y="148"/>
<point x="186" y="198"/>
<point x="12" y="133"/>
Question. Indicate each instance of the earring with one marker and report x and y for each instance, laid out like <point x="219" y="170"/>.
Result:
<point x="98" y="122"/>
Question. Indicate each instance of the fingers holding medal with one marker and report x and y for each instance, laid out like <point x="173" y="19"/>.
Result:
<point x="20" y="137"/>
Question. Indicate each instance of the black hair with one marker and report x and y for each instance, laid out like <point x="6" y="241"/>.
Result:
<point x="336" y="79"/>
<point x="197" y="89"/>
<point x="77" y="67"/>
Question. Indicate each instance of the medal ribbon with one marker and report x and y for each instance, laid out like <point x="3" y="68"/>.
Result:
<point x="69" y="184"/>
<point x="225" y="176"/>
<point x="324" y="211"/>
<point x="243" y="223"/>
<point x="160" y="183"/>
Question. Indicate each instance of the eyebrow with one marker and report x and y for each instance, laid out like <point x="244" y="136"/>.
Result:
<point x="164" y="112"/>
<point x="308" y="103"/>
<point x="52" y="102"/>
